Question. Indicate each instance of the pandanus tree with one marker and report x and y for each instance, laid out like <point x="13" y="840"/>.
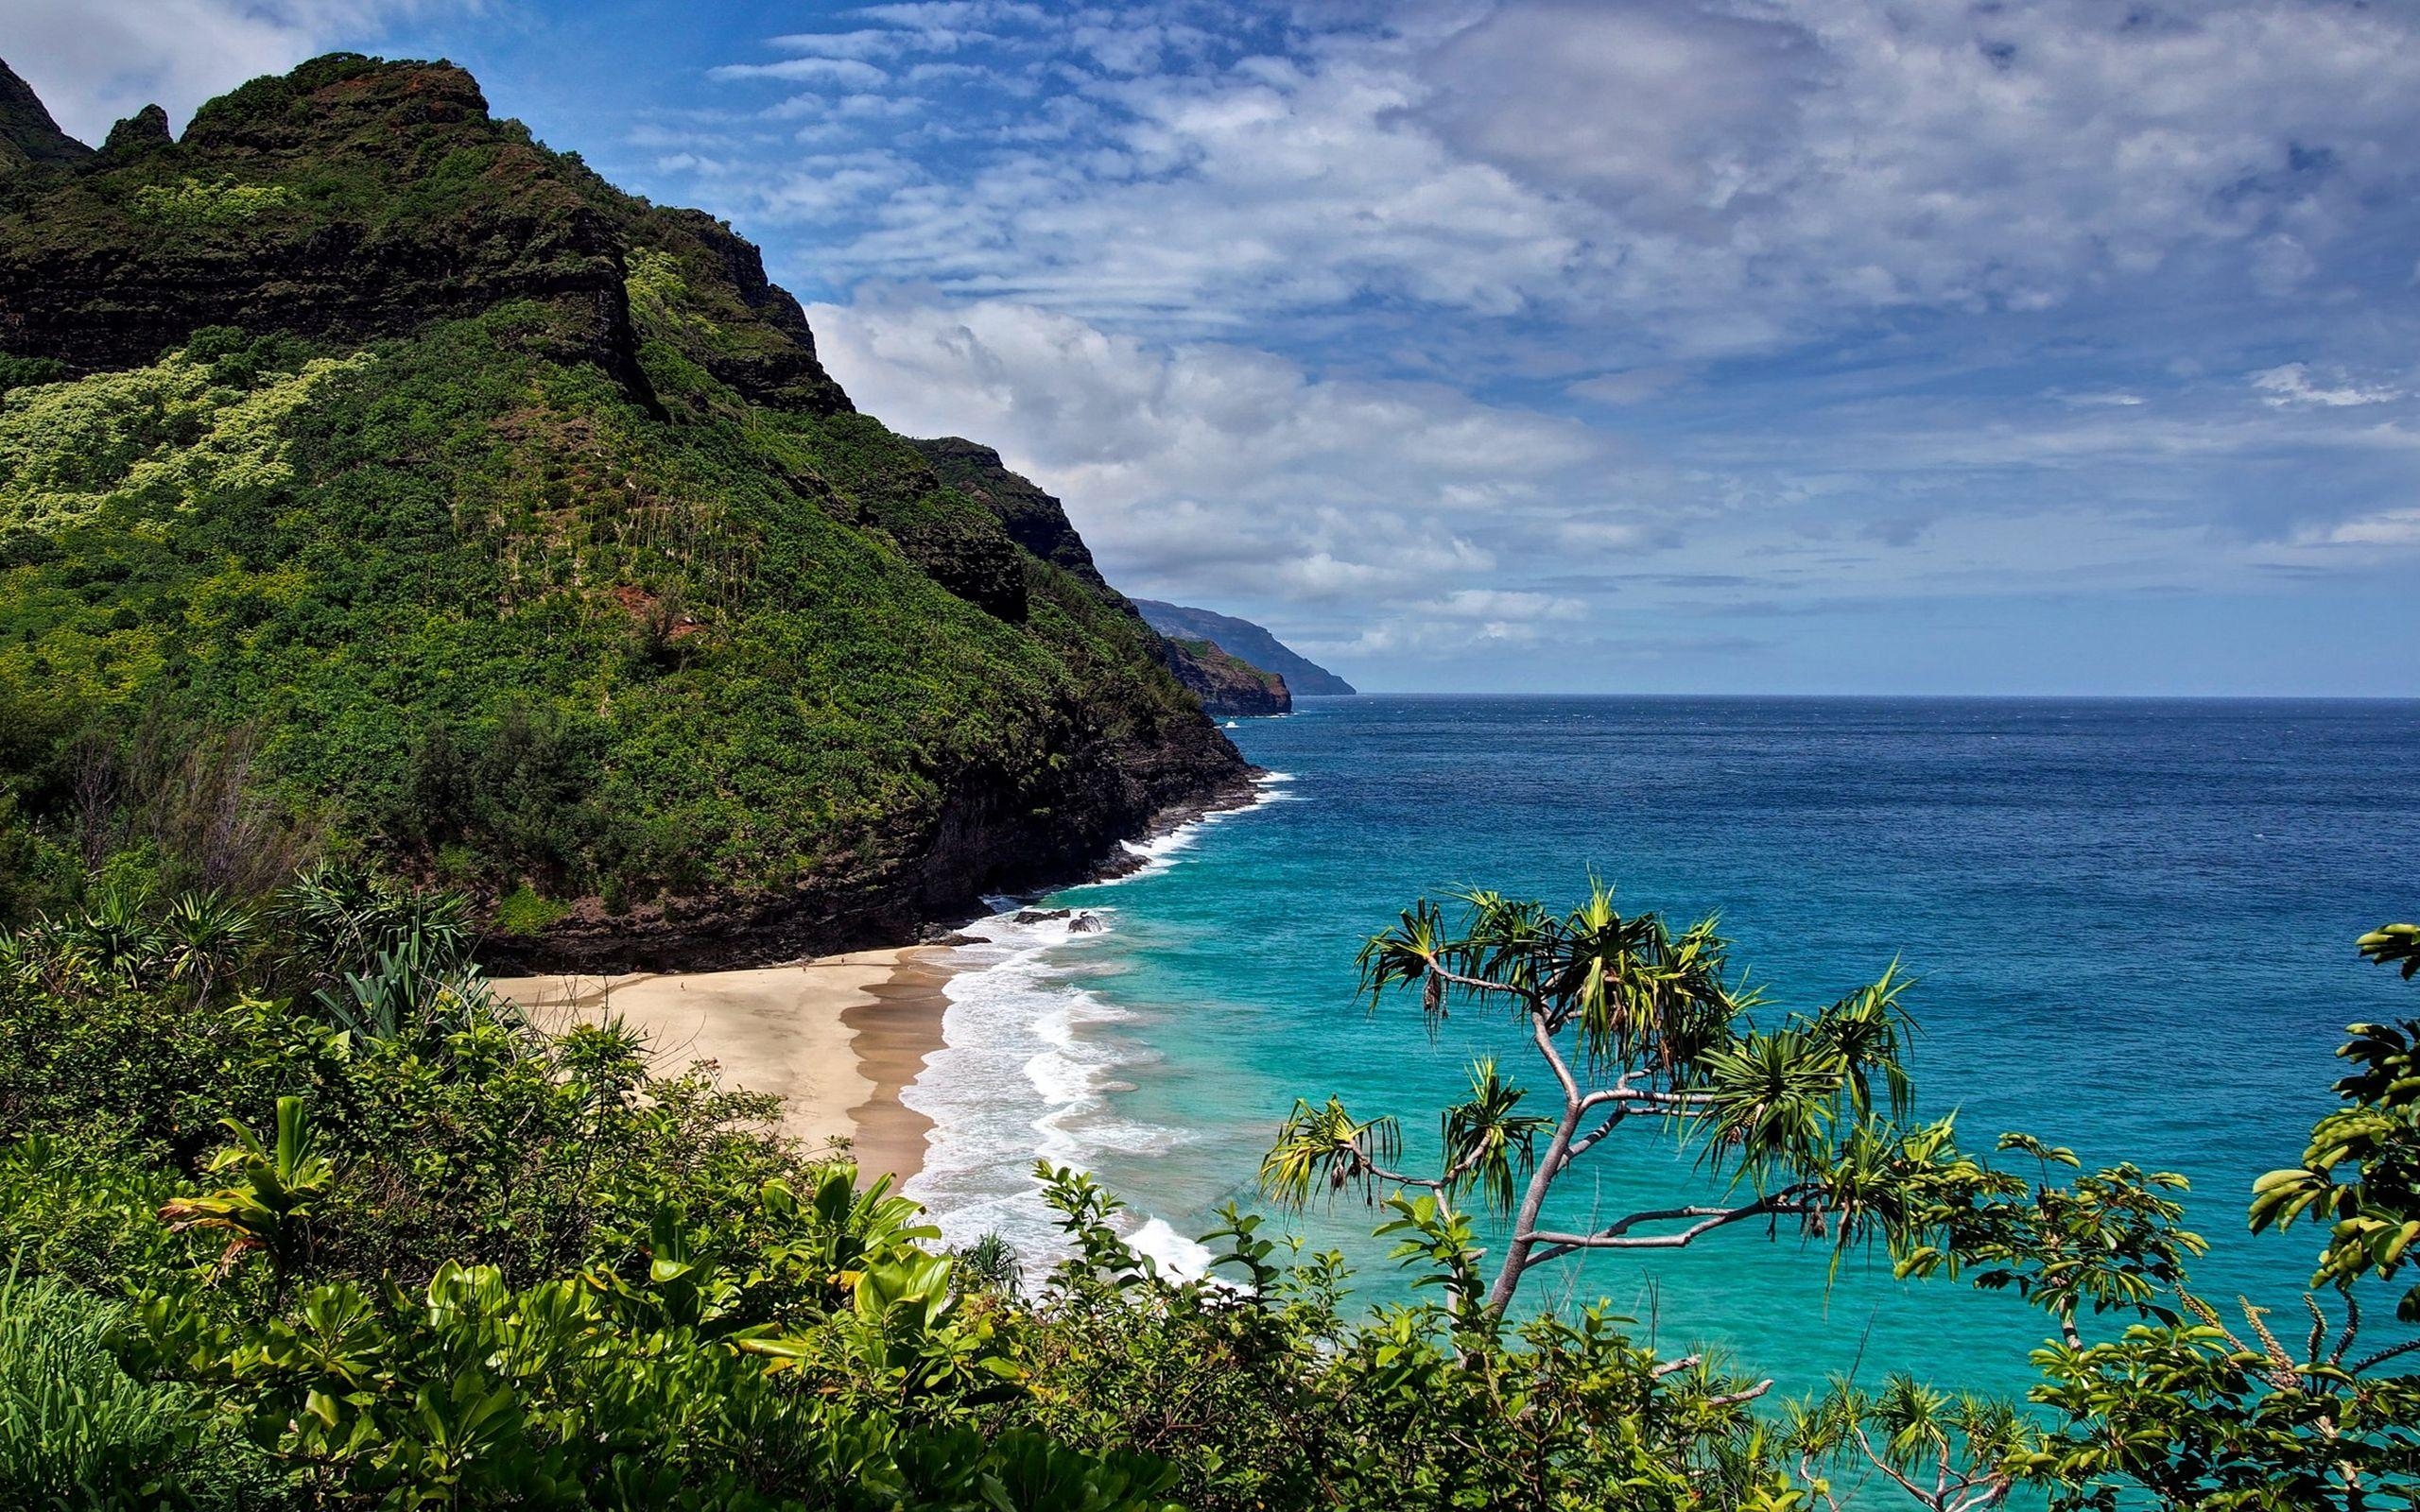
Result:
<point x="1640" y="1028"/>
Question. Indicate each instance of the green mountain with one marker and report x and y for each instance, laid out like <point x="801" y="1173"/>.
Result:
<point x="1244" y="639"/>
<point x="373" y="478"/>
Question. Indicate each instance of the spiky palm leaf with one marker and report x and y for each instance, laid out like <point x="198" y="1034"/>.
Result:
<point x="1326" y="1147"/>
<point x="1873" y="1033"/>
<point x="1488" y="1141"/>
<point x="206" y="936"/>
<point x="1770" y="1100"/>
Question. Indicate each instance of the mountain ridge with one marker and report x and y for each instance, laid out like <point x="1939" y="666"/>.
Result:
<point x="512" y="528"/>
<point x="28" y="136"/>
<point x="1248" y="642"/>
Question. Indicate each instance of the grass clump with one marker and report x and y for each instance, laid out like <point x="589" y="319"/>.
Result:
<point x="78" y="1431"/>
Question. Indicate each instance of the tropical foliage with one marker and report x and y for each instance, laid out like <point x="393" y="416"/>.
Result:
<point x="1642" y="1031"/>
<point x="301" y="1216"/>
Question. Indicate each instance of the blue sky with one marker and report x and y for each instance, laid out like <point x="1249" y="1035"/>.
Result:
<point x="1659" y="345"/>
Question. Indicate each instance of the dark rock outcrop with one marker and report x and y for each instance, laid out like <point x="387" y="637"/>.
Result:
<point x="353" y="200"/>
<point x="1034" y="520"/>
<point x="146" y="131"/>
<point x="1242" y="638"/>
<point x="1226" y="684"/>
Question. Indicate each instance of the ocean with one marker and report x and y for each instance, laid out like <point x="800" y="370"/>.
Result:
<point x="2131" y="922"/>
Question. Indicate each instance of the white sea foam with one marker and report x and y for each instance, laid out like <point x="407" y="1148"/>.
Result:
<point x="1179" y="1256"/>
<point x="1026" y="1070"/>
<point x="1160" y="851"/>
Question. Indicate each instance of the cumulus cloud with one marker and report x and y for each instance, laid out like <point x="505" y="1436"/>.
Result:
<point x="96" y="61"/>
<point x="1211" y="465"/>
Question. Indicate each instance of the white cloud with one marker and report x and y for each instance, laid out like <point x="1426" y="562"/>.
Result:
<point x="96" y="61"/>
<point x="1818" y="155"/>
<point x="873" y="41"/>
<point x="847" y="72"/>
<point x="2292" y="386"/>
<point x="1202" y="464"/>
<point x="1506" y="603"/>
<point x="1695" y="177"/>
<point x="2391" y="528"/>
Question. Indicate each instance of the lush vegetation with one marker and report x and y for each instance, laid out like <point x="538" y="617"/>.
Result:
<point x="349" y="611"/>
<point x="299" y="1214"/>
<point x="516" y="596"/>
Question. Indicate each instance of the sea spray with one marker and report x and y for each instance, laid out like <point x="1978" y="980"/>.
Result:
<point x="1030" y="1061"/>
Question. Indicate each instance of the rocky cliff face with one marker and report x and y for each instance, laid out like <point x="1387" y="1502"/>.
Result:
<point x="1226" y="684"/>
<point x="28" y="137"/>
<point x="353" y="200"/>
<point x="514" y="523"/>
<point x="1033" y="519"/>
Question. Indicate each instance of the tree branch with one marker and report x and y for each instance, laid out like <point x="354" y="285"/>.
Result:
<point x="1617" y="1235"/>
<point x="1582" y="1146"/>
<point x="1878" y="1462"/>
<point x="1477" y="984"/>
<point x="1735" y="1398"/>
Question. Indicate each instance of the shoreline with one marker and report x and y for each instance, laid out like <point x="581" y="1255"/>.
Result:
<point x="588" y="942"/>
<point x="834" y="1036"/>
<point x="893" y="1034"/>
<point x="839" y="1037"/>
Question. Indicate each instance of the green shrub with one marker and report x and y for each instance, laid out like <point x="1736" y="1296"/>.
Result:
<point x="191" y="202"/>
<point x="521" y="911"/>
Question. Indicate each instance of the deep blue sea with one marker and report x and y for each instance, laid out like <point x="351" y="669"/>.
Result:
<point x="2133" y="923"/>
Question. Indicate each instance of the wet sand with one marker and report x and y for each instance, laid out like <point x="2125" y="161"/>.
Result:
<point x="837" y="1037"/>
<point x="894" y="1032"/>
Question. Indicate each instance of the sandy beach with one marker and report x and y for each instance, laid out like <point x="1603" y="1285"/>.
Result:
<point x="838" y="1037"/>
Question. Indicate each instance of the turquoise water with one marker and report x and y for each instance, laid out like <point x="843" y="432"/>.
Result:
<point x="2132" y="924"/>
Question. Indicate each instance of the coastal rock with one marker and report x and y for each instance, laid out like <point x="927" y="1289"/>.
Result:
<point x="1085" y="924"/>
<point x="1226" y="684"/>
<point x="1038" y="916"/>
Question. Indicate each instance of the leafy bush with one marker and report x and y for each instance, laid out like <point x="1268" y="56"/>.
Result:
<point x="303" y="1214"/>
<point x="190" y="202"/>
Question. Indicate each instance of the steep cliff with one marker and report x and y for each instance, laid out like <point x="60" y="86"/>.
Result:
<point x="512" y="523"/>
<point x="28" y="137"/>
<point x="1033" y="519"/>
<point x="1226" y="684"/>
